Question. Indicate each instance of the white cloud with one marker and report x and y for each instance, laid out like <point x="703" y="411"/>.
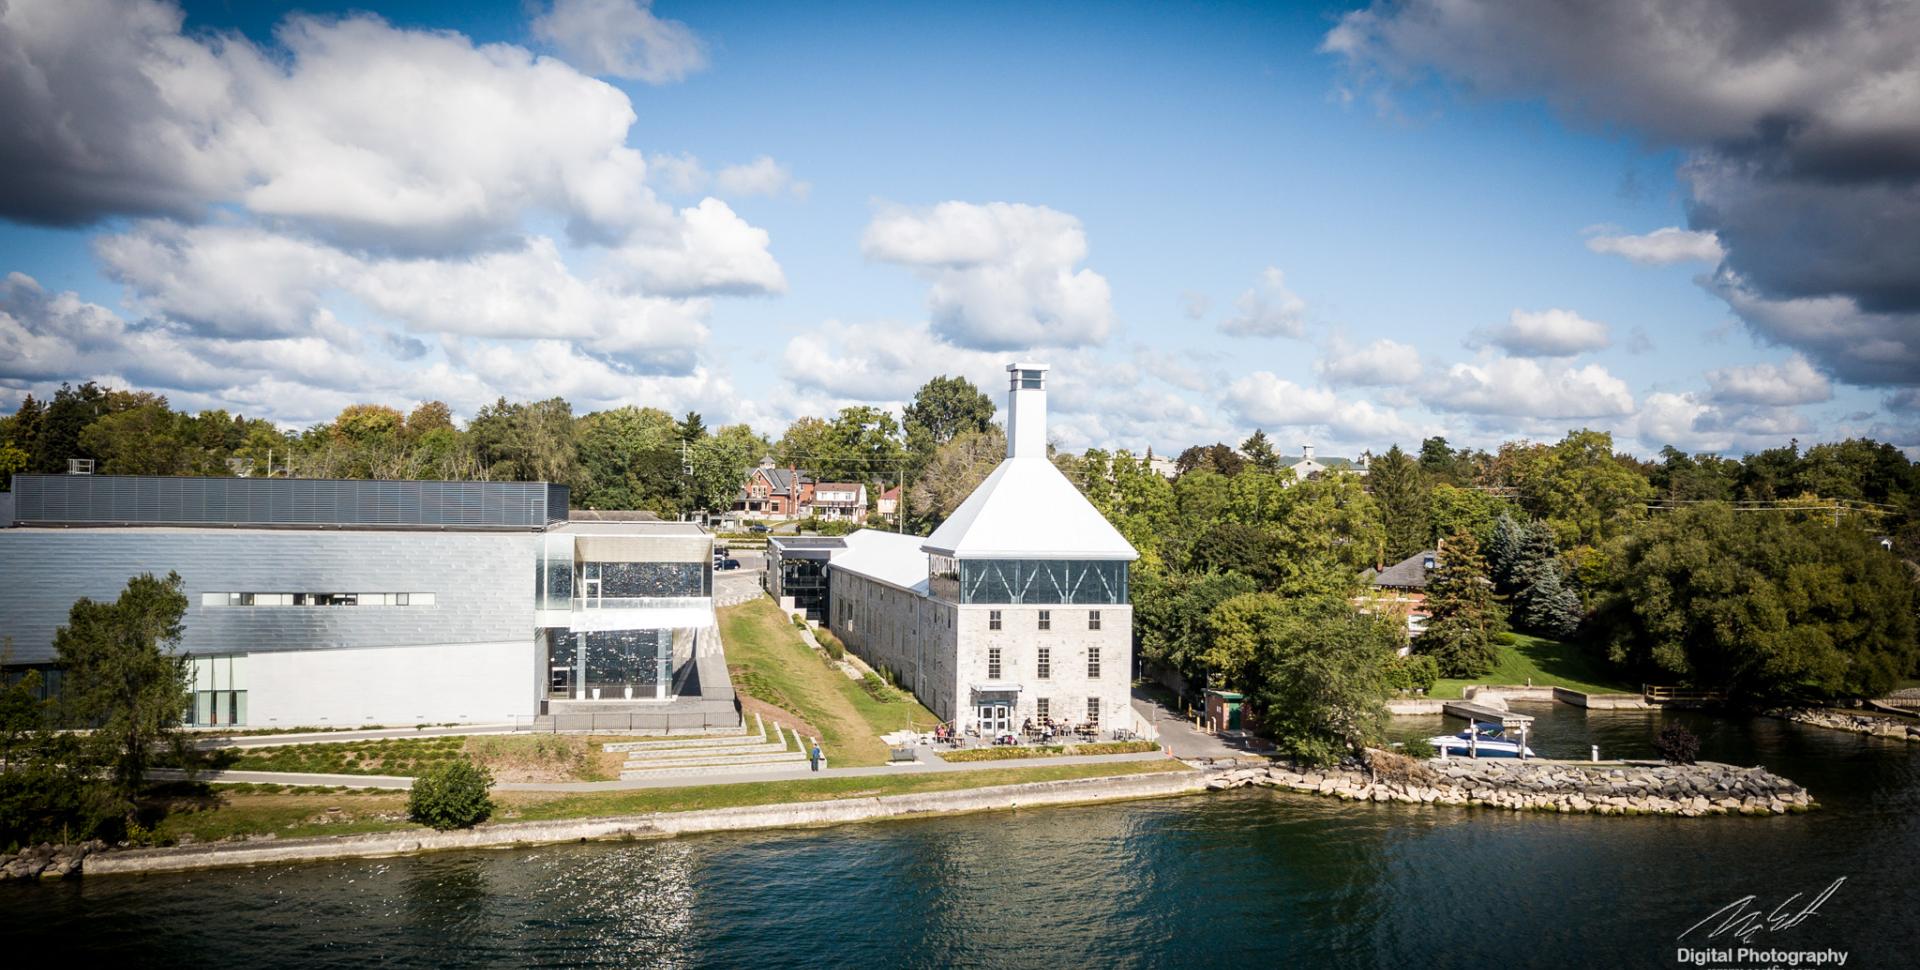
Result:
<point x="1519" y="387"/>
<point x="1268" y="309"/>
<point x="1002" y="274"/>
<point x="1382" y="363"/>
<point x="1855" y="345"/>
<point x="1660" y="247"/>
<point x="1546" y="333"/>
<point x="1691" y="423"/>
<point x="622" y="38"/>
<point x="882" y="362"/>
<point x="762" y="176"/>
<point x="1272" y="402"/>
<point x="717" y="252"/>
<point x="1794" y="382"/>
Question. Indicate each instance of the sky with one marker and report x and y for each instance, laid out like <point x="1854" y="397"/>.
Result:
<point x="1350" y="225"/>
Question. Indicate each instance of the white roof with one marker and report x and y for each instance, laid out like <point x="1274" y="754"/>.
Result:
<point x="1027" y="509"/>
<point x="889" y="557"/>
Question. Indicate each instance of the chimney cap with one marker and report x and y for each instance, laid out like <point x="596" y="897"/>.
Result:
<point x="1027" y="365"/>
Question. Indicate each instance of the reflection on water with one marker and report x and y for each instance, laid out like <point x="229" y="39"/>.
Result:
<point x="1252" y="876"/>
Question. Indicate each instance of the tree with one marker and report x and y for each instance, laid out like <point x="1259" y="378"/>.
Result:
<point x="1219" y="458"/>
<point x="629" y="458"/>
<point x="429" y="416"/>
<point x="945" y="408"/>
<point x="138" y="441"/>
<point x="958" y="467"/>
<point x="1455" y="509"/>
<point x="1506" y="552"/>
<point x="1462" y="613"/>
<point x="1238" y="547"/>
<point x="1439" y="462"/>
<point x="863" y="445"/>
<point x="1260" y="453"/>
<point x="1545" y="603"/>
<point x="526" y="442"/>
<point x="692" y="428"/>
<point x="122" y="677"/>
<point x="1313" y="668"/>
<point x="1400" y="489"/>
<point x="1582" y="489"/>
<point x="1170" y="614"/>
<point x="1760" y="605"/>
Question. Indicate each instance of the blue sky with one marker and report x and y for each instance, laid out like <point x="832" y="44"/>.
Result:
<point x="1347" y="225"/>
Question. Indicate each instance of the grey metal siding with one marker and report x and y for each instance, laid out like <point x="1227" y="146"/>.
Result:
<point x="144" y="500"/>
<point x="482" y="584"/>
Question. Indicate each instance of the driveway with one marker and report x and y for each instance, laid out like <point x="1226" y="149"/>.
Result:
<point x="1178" y="735"/>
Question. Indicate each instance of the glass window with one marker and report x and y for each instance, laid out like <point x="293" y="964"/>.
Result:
<point x="1042" y="581"/>
<point x="213" y="599"/>
<point x="1093" y="663"/>
<point x="993" y="619"/>
<point x="1046" y="619"/>
<point x="1043" y="708"/>
<point x="1093" y="711"/>
<point x="993" y="663"/>
<point x="1043" y="664"/>
<point x="1093" y="619"/>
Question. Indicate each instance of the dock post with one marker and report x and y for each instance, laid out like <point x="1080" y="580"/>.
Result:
<point x="1523" y="736"/>
<point x="1473" y="741"/>
<point x="1596" y="754"/>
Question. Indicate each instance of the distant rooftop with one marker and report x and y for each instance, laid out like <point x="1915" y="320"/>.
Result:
<point x="1409" y="573"/>
<point x="152" y="500"/>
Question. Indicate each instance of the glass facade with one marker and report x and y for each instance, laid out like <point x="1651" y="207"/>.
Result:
<point x="619" y="663"/>
<point x="647" y="580"/>
<point x="1028" y="581"/>
<point x="219" y="691"/>
<point x="553" y="574"/>
<point x="806" y="581"/>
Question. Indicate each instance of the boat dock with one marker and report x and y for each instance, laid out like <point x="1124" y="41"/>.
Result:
<point x="1474" y="712"/>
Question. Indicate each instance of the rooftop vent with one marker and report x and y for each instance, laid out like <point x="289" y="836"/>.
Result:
<point x="79" y="466"/>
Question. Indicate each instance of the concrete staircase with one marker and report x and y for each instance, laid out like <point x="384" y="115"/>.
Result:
<point x="758" y="750"/>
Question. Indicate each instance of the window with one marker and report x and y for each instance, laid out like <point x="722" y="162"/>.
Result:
<point x="1044" y="665"/>
<point x="993" y="619"/>
<point x="993" y="663"/>
<point x="1046" y="619"/>
<point x="1093" y="619"/>
<point x="316" y="599"/>
<point x="1093" y="663"/>
<point x="219" y="690"/>
<point x="1093" y="711"/>
<point x="1043" y="708"/>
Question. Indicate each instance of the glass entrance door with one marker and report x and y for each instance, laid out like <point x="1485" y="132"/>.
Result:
<point x="559" y="681"/>
<point x="996" y="718"/>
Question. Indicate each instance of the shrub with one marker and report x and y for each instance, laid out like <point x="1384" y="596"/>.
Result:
<point x="1505" y="638"/>
<point x="1417" y="671"/>
<point x="800" y="620"/>
<point x="451" y="795"/>
<point x="1419" y="748"/>
<point x="1677" y="745"/>
<point x="831" y="644"/>
<point x="877" y="688"/>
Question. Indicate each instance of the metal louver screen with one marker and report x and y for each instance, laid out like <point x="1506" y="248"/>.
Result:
<point x="142" y="500"/>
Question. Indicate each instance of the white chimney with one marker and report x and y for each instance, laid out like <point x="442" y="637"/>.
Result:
<point x="1306" y="452"/>
<point x="1026" y="410"/>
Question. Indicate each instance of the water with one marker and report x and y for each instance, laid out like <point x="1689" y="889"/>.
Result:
<point x="1249" y="876"/>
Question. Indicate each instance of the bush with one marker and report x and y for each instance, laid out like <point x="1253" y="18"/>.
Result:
<point x="800" y="620"/>
<point x="877" y="689"/>
<point x="451" y="795"/>
<point x="1419" y="748"/>
<point x="1677" y="745"/>
<point x="1505" y="638"/>
<point x="831" y="644"/>
<point x="1414" y="672"/>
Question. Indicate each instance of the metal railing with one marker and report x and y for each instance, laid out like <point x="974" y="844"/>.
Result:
<point x="641" y="602"/>
<point x="1670" y="695"/>
<point x="646" y="722"/>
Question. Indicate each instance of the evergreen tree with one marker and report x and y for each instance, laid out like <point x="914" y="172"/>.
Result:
<point x="1463" y="614"/>
<point x="1400" y="488"/>
<point x="1504" y="552"/>
<point x="692" y="428"/>
<point x="1546" y="605"/>
<point x="1259" y="452"/>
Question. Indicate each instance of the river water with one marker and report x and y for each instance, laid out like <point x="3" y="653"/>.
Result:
<point x="1250" y="878"/>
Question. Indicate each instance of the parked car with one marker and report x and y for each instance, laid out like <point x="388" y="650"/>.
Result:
<point x="758" y="528"/>
<point x="729" y="564"/>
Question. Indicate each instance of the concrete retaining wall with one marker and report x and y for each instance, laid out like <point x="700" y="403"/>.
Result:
<point x="1601" y="702"/>
<point x="660" y="824"/>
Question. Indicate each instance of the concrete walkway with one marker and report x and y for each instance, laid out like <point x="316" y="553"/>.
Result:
<point x="1178" y="735"/>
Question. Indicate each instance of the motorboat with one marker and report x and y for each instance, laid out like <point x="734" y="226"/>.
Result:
<point x="1487" y="740"/>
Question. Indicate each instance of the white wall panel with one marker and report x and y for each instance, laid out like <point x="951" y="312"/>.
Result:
<point x="463" y="682"/>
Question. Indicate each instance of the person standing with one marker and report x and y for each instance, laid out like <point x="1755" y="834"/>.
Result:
<point x="814" y="756"/>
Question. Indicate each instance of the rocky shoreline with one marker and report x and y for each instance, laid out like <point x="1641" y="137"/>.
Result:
<point x="48" y="861"/>
<point x="1688" y="791"/>
<point x="1879" y="727"/>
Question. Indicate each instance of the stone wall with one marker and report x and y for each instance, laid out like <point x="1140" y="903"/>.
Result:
<point x="1879" y="727"/>
<point x="1551" y="786"/>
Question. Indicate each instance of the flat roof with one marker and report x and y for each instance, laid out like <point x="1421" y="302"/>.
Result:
<point x="889" y="557"/>
<point x="637" y="527"/>
<point x="808" y="542"/>
<point x="299" y="503"/>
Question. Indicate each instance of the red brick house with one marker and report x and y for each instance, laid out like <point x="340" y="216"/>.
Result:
<point x="774" y="493"/>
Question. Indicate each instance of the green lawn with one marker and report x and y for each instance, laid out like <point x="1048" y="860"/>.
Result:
<point x="511" y="757"/>
<point x="1550" y="663"/>
<point x="770" y="663"/>
<point x="226" y="811"/>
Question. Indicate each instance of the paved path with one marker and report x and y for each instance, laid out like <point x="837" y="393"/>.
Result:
<point x="729" y="778"/>
<point x="1177" y="734"/>
<point x="370" y="734"/>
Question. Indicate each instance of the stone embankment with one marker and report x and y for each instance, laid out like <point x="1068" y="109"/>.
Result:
<point x="47" y="861"/>
<point x="1548" y="786"/>
<point x="1879" y="727"/>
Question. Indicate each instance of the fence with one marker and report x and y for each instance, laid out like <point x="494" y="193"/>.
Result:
<point x="649" y="722"/>
<point x="1677" y="695"/>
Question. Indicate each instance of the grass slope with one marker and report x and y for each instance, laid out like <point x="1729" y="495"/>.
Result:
<point x="770" y="663"/>
<point x="249" y="810"/>
<point x="1549" y="663"/>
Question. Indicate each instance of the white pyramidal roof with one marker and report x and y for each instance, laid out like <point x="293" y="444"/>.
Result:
<point x="1027" y="509"/>
<point x="889" y="557"/>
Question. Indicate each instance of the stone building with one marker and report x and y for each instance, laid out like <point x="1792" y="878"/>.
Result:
<point x="1015" y="609"/>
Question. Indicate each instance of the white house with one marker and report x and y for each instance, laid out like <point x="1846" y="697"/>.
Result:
<point x="1016" y="608"/>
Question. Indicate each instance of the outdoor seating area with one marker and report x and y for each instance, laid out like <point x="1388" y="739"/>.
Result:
<point x="1045" y="732"/>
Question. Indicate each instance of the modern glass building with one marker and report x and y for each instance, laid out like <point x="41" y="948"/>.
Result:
<point x="317" y="602"/>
